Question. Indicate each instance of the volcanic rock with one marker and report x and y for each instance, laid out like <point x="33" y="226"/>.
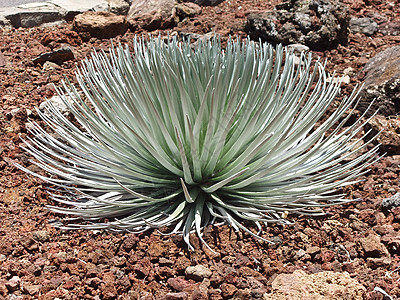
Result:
<point x="382" y="83"/>
<point x="103" y="25"/>
<point x="198" y="272"/>
<point x="320" y="24"/>
<point x="57" y="56"/>
<point x="152" y="14"/>
<point x="33" y="14"/>
<point x="323" y="286"/>
<point x="13" y="284"/>
<point x="118" y="7"/>
<point x="389" y="137"/>
<point x="373" y="247"/>
<point x="392" y="202"/>
<point x="363" y="25"/>
<point x="390" y="28"/>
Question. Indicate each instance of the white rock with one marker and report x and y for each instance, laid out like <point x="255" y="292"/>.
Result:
<point x="198" y="273"/>
<point x="58" y="104"/>
<point x="48" y="65"/>
<point x="346" y="79"/>
<point x="298" y="48"/>
<point x="348" y="71"/>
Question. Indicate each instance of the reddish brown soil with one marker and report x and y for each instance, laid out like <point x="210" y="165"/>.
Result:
<point x="84" y="264"/>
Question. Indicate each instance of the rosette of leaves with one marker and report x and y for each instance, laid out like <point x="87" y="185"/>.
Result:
<point x="171" y="134"/>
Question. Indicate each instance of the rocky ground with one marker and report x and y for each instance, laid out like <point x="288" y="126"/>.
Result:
<point x="351" y="253"/>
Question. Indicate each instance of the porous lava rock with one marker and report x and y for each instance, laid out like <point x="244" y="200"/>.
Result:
<point x="319" y="24"/>
<point x="322" y="286"/>
<point x="389" y="137"/>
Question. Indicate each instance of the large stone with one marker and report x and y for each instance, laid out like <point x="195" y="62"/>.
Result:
<point x="159" y="14"/>
<point x="318" y="286"/>
<point x="319" y="24"/>
<point x="41" y="13"/>
<point x="152" y="14"/>
<point x="382" y="83"/>
<point x="33" y="14"/>
<point x="75" y="7"/>
<point x="103" y="25"/>
<point x="363" y="25"/>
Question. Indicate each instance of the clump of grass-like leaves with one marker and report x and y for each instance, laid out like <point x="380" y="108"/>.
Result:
<point x="171" y="136"/>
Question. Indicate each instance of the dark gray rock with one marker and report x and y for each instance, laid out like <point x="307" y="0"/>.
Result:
<point x="382" y="83"/>
<point x="57" y="56"/>
<point x="319" y="24"/>
<point x="366" y="26"/>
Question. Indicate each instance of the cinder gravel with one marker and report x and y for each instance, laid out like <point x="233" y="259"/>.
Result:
<point x="38" y="261"/>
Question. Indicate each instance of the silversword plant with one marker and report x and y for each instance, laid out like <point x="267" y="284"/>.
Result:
<point x="174" y="136"/>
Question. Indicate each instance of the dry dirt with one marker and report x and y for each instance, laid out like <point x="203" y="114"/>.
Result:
<point x="47" y="263"/>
